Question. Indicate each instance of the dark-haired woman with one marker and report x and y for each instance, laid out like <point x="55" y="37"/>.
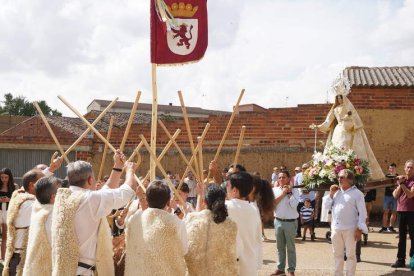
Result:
<point x="212" y="238"/>
<point x="7" y="187"/>
<point x="263" y="198"/>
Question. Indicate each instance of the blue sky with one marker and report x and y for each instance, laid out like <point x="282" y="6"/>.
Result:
<point x="283" y="52"/>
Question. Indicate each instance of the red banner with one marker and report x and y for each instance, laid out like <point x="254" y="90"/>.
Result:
<point x="179" y="32"/>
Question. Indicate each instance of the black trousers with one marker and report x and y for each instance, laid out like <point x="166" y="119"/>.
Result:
<point x="406" y="219"/>
<point x="14" y="262"/>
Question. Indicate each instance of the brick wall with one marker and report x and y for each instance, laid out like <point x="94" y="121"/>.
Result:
<point x="274" y="137"/>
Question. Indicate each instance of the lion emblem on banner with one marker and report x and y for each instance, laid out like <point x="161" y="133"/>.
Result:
<point x="183" y="39"/>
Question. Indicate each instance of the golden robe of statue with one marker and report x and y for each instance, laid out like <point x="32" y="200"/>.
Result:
<point x="346" y="130"/>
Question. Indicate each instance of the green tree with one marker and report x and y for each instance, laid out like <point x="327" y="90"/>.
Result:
<point x="19" y="106"/>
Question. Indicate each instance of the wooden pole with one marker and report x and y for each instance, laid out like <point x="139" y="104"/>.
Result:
<point x="93" y="124"/>
<point x="160" y="167"/>
<point x="165" y="150"/>
<point x="200" y="156"/>
<point x="193" y="157"/>
<point x="39" y="110"/>
<point x="178" y="149"/>
<point x="190" y="136"/>
<point x="108" y="136"/>
<point x="235" y="110"/>
<point x="87" y="123"/>
<point x="239" y="145"/>
<point x="130" y="121"/>
<point x="154" y="118"/>
<point x="136" y="151"/>
<point x="233" y="114"/>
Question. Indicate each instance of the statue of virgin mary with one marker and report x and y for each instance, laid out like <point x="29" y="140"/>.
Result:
<point x="346" y="129"/>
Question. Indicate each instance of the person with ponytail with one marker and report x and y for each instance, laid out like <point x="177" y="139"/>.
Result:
<point x="263" y="198"/>
<point x="212" y="237"/>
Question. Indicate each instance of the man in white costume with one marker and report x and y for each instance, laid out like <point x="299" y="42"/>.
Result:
<point x="81" y="239"/>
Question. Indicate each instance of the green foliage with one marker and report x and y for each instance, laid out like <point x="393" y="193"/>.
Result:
<point x="19" y="106"/>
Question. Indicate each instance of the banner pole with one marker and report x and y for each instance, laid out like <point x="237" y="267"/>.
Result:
<point x="154" y="121"/>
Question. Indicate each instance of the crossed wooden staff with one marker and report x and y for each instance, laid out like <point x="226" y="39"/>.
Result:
<point x="196" y="158"/>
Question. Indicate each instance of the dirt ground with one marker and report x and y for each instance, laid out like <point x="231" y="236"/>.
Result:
<point x="316" y="258"/>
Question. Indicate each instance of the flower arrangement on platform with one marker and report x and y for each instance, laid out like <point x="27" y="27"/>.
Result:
<point x="324" y="168"/>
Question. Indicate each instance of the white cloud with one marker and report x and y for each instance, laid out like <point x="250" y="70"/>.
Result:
<point x="275" y="49"/>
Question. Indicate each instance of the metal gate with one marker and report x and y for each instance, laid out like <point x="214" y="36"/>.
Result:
<point x="20" y="161"/>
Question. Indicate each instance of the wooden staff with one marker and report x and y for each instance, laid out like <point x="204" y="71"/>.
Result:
<point x="130" y="121"/>
<point x="140" y="183"/>
<point x="87" y="123"/>
<point x="193" y="157"/>
<point x="178" y="149"/>
<point x="235" y="110"/>
<point x="165" y="150"/>
<point x="154" y="116"/>
<point x="88" y="129"/>
<point x="136" y="151"/>
<point x="200" y="156"/>
<point x="239" y="145"/>
<point x="160" y="167"/>
<point x="39" y="110"/>
<point x="190" y="136"/>
<point x="108" y="136"/>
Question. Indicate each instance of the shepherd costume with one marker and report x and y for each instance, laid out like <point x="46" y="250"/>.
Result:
<point x="16" y="201"/>
<point x="211" y="246"/>
<point x="65" y="249"/>
<point x="153" y="244"/>
<point x="39" y="252"/>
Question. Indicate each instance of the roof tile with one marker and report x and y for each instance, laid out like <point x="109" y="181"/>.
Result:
<point x="398" y="76"/>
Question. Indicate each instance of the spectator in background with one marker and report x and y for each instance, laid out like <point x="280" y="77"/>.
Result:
<point x="390" y="203"/>
<point x="304" y="194"/>
<point x="192" y="185"/>
<point x="306" y="219"/>
<point x="405" y="208"/>
<point x="369" y="198"/>
<point x="275" y="175"/>
<point x="7" y="187"/>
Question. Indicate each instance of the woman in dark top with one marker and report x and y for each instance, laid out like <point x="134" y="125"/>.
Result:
<point x="7" y="187"/>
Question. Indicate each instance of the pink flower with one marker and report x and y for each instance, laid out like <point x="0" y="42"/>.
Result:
<point x="359" y="169"/>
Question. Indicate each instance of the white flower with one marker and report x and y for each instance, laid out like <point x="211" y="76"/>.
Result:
<point x="328" y="161"/>
<point x="322" y="173"/>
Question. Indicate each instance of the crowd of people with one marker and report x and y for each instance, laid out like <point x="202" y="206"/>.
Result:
<point x="174" y="226"/>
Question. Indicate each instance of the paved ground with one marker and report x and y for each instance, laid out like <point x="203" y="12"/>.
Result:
<point x="316" y="258"/>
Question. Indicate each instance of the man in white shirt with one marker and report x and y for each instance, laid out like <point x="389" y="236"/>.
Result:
<point x="286" y="215"/>
<point x="247" y="218"/>
<point x="192" y="185"/>
<point x="80" y="232"/>
<point x="348" y="221"/>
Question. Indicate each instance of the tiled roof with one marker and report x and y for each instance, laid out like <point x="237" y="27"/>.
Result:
<point x="77" y="126"/>
<point x="399" y="76"/>
<point x="161" y="107"/>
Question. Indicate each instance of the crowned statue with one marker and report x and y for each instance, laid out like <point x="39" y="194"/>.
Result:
<point x="346" y="129"/>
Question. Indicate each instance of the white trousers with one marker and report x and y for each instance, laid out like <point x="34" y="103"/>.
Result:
<point x="344" y="241"/>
